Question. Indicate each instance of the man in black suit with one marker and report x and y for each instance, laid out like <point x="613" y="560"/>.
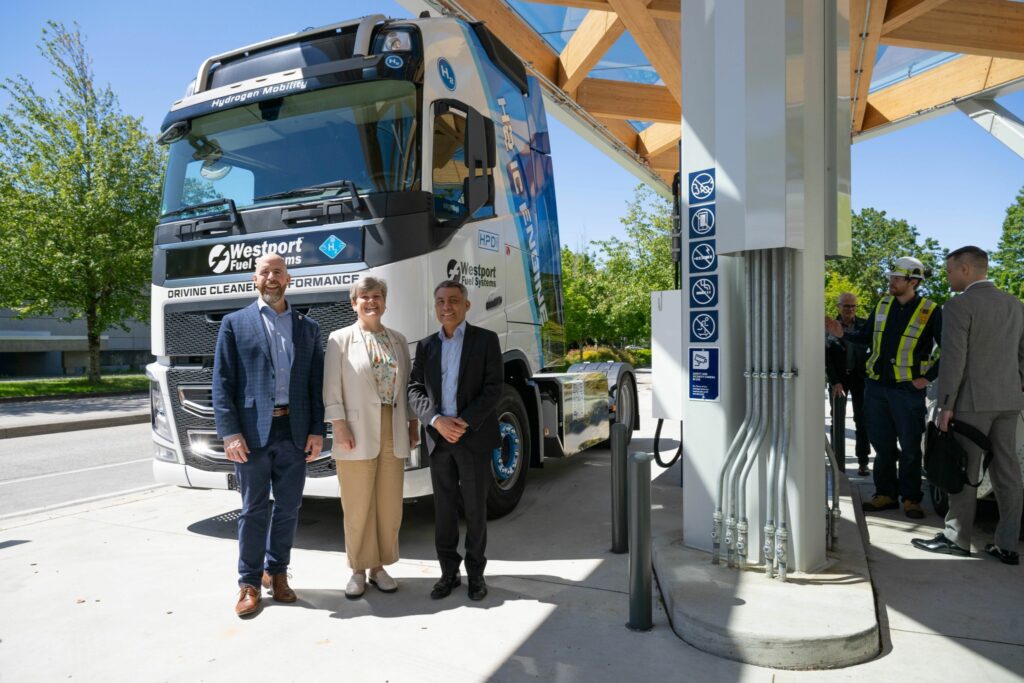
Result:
<point x="454" y="388"/>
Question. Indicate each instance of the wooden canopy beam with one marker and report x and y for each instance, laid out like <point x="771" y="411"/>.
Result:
<point x="963" y="77"/>
<point x="900" y="12"/>
<point x="993" y="28"/>
<point x="513" y="31"/>
<point x="623" y="100"/>
<point x="648" y="36"/>
<point x="657" y="138"/>
<point x="596" y="33"/>
<point x="864" y="50"/>
<point x="659" y="9"/>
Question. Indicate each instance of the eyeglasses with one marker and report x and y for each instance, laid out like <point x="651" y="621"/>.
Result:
<point x="847" y="305"/>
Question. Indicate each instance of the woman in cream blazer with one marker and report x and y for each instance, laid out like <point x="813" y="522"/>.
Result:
<point x="366" y="370"/>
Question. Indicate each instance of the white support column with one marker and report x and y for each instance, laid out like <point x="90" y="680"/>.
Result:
<point x="755" y="107"/>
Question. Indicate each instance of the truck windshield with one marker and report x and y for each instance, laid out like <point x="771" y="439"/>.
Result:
<point x="257" y="154"/>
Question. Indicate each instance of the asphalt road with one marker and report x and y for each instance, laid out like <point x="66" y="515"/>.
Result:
<point x="55" y="469"/>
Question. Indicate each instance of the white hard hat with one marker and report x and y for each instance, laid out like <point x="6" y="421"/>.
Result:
<point x="908" y="267"/>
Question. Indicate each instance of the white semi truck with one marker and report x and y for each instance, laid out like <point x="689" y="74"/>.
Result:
<point x="413" y="150"/>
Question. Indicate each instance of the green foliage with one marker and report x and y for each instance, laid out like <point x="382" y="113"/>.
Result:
<point x="607" y="286"/>
<point x="79" y="195"/>
<point x="877" y="242"/>
<point x="836" y="284"/>
<point x="1008" y="271"/>
<point x="641" y="357"/>
<point x="72" y="386"/>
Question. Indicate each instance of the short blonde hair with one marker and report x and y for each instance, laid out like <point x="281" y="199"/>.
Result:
<point x="369" y="284"/>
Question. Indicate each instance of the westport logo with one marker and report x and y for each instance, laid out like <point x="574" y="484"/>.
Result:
<point x="472" y="275"/>
<point x="241" y="257"/>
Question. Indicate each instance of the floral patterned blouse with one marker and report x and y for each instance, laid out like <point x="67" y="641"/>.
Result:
<point x="384" y="364"/>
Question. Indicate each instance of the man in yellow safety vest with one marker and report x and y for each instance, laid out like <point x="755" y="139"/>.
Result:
<point x="901" y="332"/>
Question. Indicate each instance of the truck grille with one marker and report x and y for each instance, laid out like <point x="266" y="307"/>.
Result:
<point x="191" y="329"/>
<point x="191" y="395"/>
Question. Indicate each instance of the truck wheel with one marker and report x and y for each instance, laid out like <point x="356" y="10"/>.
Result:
<point x="625" y="405"/>
<point x="940" y="500"/>
<point x="510" y="460"/>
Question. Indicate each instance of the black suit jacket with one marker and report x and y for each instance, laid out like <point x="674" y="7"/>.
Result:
<point x="478" y="390"/>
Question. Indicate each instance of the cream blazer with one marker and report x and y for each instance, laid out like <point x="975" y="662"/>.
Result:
<point x="350" y="393"/>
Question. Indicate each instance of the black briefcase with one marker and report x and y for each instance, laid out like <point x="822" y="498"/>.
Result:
<point x="945" y="461"/>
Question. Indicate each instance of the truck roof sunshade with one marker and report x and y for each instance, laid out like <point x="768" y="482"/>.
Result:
<point x="318" y="49"/>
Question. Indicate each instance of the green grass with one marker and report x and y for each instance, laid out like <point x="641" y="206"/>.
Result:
<point x="72" y="386"/>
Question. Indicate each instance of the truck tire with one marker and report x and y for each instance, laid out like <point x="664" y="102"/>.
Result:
<point x="511" y="460"/>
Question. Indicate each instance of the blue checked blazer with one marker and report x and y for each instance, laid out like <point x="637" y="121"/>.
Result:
<point x="243" y="379"/>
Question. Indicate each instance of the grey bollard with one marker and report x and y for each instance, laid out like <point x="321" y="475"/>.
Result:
<point x="620" y="530"/>
<point x="640" y="547"/>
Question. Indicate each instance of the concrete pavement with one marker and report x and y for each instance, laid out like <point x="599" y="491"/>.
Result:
<point x="141" y="588"/>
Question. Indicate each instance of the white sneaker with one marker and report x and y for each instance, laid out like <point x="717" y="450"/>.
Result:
<point x="383" y="581"/>
<point x="356" y="586"/>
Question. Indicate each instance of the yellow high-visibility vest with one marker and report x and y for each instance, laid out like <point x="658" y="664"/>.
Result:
<point x="903" y="368"/>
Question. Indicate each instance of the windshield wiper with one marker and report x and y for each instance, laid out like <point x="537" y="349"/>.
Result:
<point x="314" y="189"/>
<point x="223" y="201"/>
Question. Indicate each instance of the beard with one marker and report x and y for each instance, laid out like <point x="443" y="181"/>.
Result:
<point x="271" y="298"/>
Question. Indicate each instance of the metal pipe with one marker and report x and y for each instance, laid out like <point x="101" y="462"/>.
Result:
<point x="755" y="418"/>
<point x="768" y="549"/>
<point x="832" y="512"/>
<point x="782" y="534"/>
<point x="716" y="529"/>
<point x="620" y="536"/>
<point x="757" y="442"/>
<point x="640" y="585"/>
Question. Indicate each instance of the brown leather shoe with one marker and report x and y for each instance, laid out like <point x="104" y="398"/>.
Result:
<point x="278" y="587"/>
<point x="249" y="601"/>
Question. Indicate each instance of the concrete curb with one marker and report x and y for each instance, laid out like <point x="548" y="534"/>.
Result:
<point x="73" y="425"/>
<point x="826" y="620"/>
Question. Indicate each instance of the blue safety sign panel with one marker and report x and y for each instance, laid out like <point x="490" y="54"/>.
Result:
<point x="703" y="291"/>
<point x="703" y="374"/>
<point x="702" y="221"/>
<point x="703" y="257"/>
<point x="703" y="326"/>
<point x="702" y="186"/>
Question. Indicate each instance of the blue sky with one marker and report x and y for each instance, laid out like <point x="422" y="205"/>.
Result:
<point x="945" y="176"/>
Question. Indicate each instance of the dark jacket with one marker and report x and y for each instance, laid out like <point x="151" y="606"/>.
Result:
<point x="844" y="358"/>
<point x="477" y="394"/>
<point x="243" y="379"/>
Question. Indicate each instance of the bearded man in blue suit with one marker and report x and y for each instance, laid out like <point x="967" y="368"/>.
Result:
<point x="268" y="405"/>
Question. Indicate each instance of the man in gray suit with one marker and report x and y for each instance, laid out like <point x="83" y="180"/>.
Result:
<point x="981" y="383"/>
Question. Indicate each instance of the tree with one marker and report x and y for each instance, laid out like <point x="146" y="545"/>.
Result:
<point x="635" y="267"/>
<point x="836" y="284"/>
<point x="581" y="292"/>
<point x="1008" y="272"/>
<point x="79" y="195"/>
<point x="877" y="242"/>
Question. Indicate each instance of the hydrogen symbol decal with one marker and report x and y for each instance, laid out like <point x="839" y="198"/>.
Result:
<point x="702" y="221"/>
<point x="704" y="326"/>
<point x="447" y="73"/>
<point x="702" y="256"/>
<point x="704" y="291"/>
<point x="394" y="62"/>
<point x="332" y="246"/>
<point x="702" y="186"/>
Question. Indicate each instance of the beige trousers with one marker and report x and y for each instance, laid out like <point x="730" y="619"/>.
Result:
<point x="371" y="500"/>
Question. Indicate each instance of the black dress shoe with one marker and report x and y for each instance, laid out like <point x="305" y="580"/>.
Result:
<point x="940" y="544"/>
<point x="477" y="588"/>
<point x="443" y="587"/>
<point x="1004" y="556"/>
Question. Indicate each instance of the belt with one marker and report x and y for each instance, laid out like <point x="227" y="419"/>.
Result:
<point x="280" y="411"/>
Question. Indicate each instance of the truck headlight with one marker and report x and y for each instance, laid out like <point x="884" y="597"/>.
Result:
<point x="164" y="454"/>
<point x="158" y="412"/>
